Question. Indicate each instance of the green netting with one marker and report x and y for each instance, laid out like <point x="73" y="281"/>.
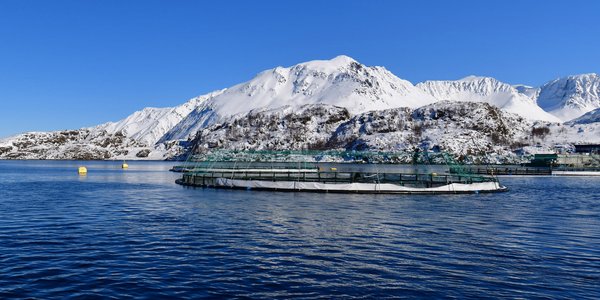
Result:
<point x="311" y="159"/>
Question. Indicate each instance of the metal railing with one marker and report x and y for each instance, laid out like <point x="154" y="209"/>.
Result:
<point x="506" y="170"/>
<point x="207" y="178"/>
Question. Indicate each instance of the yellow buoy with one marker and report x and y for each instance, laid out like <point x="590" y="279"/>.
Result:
<point x="82" y="170"/>
<point x="333" y="169"/>
<point x="124" y="166"/>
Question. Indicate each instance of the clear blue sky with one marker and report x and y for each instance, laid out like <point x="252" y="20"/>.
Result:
<point x="68" y="64"/>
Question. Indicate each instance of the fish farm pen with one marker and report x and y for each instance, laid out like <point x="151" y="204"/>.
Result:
<point x="306" y="171"/>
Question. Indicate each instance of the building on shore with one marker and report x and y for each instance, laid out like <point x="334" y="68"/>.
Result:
<point x="587" y="148"/>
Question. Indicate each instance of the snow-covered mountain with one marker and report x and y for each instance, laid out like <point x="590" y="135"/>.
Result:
<point x="341" y="81"/>
<point x="488" y="90"/>
<point x="306" y="105"/>
<point x="570" y="97"/>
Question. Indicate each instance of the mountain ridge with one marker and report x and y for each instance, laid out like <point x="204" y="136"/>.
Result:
<point x="489" y="90"/>
<point x="340" y="82"/>
<point x="571" y="96"/>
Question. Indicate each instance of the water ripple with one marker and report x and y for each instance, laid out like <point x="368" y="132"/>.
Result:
<point x="135" y="234"/>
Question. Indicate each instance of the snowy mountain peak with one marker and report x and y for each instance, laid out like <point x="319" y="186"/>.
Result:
<point x="482" y="86"/>
<point x="572" y="96"/>
<point x="338" y="61"/>
<point x="583" y="77"/>
<point x="328" y="66"/>
<point x="341" y="81"/>
<point x="343" y="58"/>
<point x="476" y="78"/>
<point x="489" y="90"/>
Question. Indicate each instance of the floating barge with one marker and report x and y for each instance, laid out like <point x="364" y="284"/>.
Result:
<point x="342" y="179"/>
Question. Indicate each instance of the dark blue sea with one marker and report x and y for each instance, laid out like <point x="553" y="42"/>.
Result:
<point x="135" y="234"/>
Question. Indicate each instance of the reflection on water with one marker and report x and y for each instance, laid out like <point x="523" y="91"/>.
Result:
<point x="134" y="233"/>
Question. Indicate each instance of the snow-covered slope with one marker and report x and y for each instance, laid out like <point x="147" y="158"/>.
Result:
<point x="304" y="127"/>
<point x="85" y="144"/>
<point x="341" y="81"/>
<point x="201" y="117"/>
<point x="69" y="144"/>
<point x="588" y="118"/>
<point x="146" y="125"/>
<point x="529" y="91"/>
<point x="572" y="96"/>
<point x="488" y="90"/>
<point x="150" y="124"/>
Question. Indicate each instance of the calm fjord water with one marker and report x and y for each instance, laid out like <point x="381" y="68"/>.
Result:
<point x="136" y="234"/>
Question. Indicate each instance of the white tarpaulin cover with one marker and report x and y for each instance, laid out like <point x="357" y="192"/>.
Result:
<point x="354" y="187"/>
